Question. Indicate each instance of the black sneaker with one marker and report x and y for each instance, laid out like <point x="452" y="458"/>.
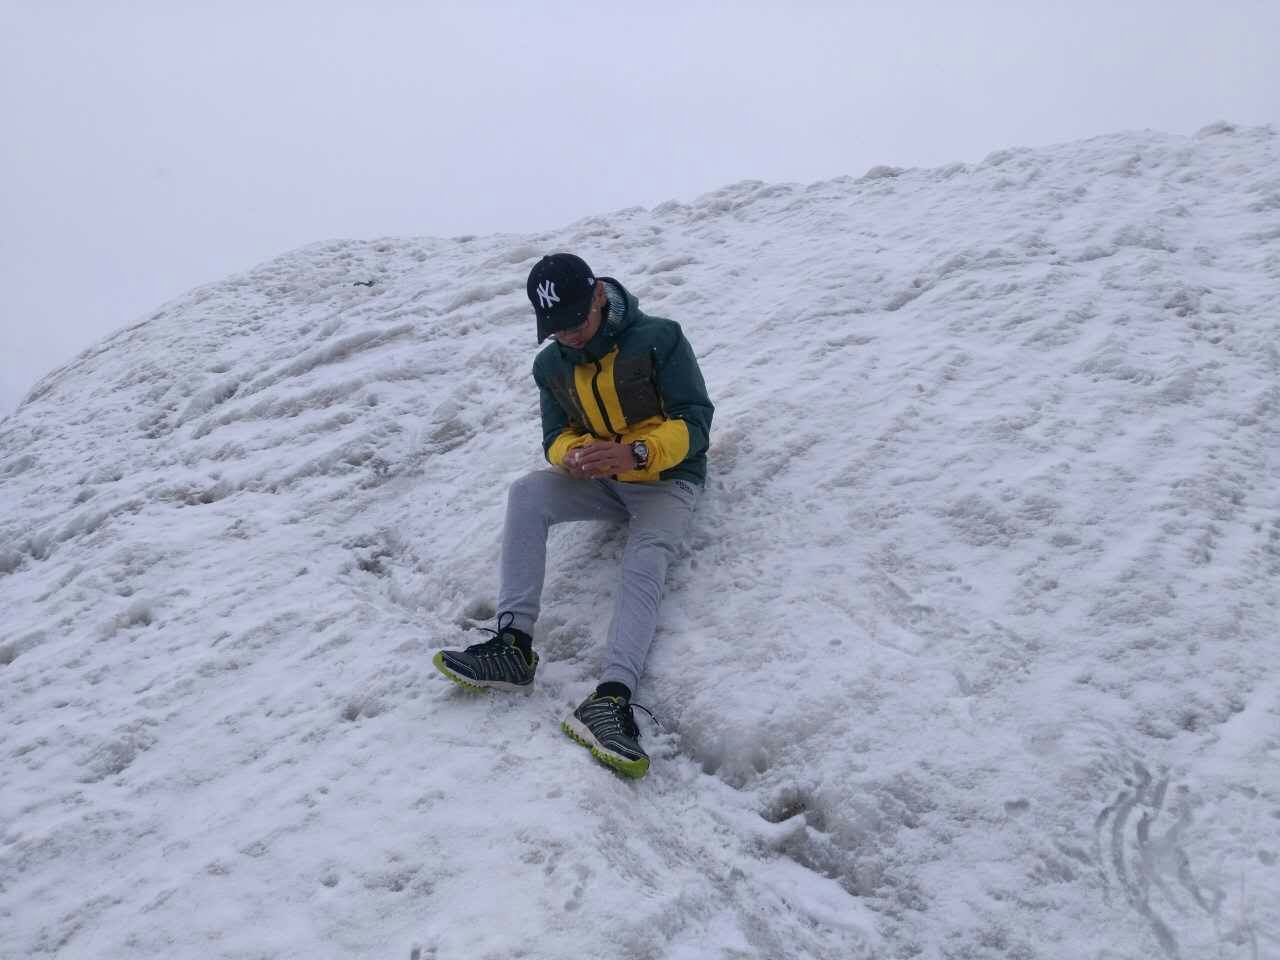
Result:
<point x="499" y="662"/>
<point x="607" y="726"/>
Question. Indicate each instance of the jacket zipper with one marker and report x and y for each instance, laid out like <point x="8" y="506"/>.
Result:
<point x="604" y="413"/>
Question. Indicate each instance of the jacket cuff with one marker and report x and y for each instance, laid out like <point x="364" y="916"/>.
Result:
<point x="668" y="446"/>
<point x="562" y="444"/>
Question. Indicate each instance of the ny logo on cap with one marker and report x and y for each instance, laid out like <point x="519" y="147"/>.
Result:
<point x="547" y="294"/>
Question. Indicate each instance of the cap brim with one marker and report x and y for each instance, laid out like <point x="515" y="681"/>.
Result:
<point x="566" y="318"/>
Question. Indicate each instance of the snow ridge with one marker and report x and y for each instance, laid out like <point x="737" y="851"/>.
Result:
<point x="966" y="658"/>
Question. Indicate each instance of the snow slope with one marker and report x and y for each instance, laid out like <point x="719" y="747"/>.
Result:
<point x="971" y="655"/>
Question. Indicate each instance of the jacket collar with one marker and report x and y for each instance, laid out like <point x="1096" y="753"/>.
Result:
<point x="621" y="311"/>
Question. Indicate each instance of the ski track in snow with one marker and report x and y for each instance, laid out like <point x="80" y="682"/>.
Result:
<point x="970" y="654"/>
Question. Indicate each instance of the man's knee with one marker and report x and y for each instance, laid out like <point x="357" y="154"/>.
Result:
<point x="532" y="488"/>
<point x="652" y="545"/>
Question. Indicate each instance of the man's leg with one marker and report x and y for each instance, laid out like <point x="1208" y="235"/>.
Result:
<point x="534" y="503"/>
<point x="660" y="517"/>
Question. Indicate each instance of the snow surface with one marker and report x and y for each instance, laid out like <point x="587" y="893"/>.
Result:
<point x="971" y="654"/>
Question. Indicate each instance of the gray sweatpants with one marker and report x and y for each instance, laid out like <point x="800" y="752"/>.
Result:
<point x="657" y="515"/>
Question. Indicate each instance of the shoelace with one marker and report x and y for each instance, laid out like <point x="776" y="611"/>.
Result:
<point x="621" y="718"/>
<point x="656" y="722"/>
<point x="496" y="646"/>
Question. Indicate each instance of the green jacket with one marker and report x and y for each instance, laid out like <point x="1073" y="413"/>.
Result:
<point x="636" y="379"/>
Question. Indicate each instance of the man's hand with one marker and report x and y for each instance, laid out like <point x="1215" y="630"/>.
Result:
<point x="603" y="458"/>
<point x="573" y="463"/>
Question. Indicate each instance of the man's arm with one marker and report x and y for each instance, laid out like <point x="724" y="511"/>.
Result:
<point x="687" y="430"/>
<point x="559" y="436"/>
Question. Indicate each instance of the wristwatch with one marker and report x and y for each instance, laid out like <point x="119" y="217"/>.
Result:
<point x="640" y="451"/>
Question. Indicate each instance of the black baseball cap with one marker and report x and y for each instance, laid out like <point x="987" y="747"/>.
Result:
<point x="560" y="288"/>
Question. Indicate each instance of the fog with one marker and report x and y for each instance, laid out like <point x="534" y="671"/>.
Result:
<point x="149" y="148"/>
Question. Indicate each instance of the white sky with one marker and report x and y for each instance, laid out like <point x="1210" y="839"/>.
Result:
<point x="147" y="147"/>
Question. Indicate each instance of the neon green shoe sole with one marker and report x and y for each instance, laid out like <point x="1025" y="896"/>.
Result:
<point x="463" y="682"/>
<point x="628" y="768"/>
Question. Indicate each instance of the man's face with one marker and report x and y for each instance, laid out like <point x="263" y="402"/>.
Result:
<point x="579" y="336"/>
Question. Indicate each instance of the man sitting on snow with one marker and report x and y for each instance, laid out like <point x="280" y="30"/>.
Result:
<point x="626" y="421"/>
